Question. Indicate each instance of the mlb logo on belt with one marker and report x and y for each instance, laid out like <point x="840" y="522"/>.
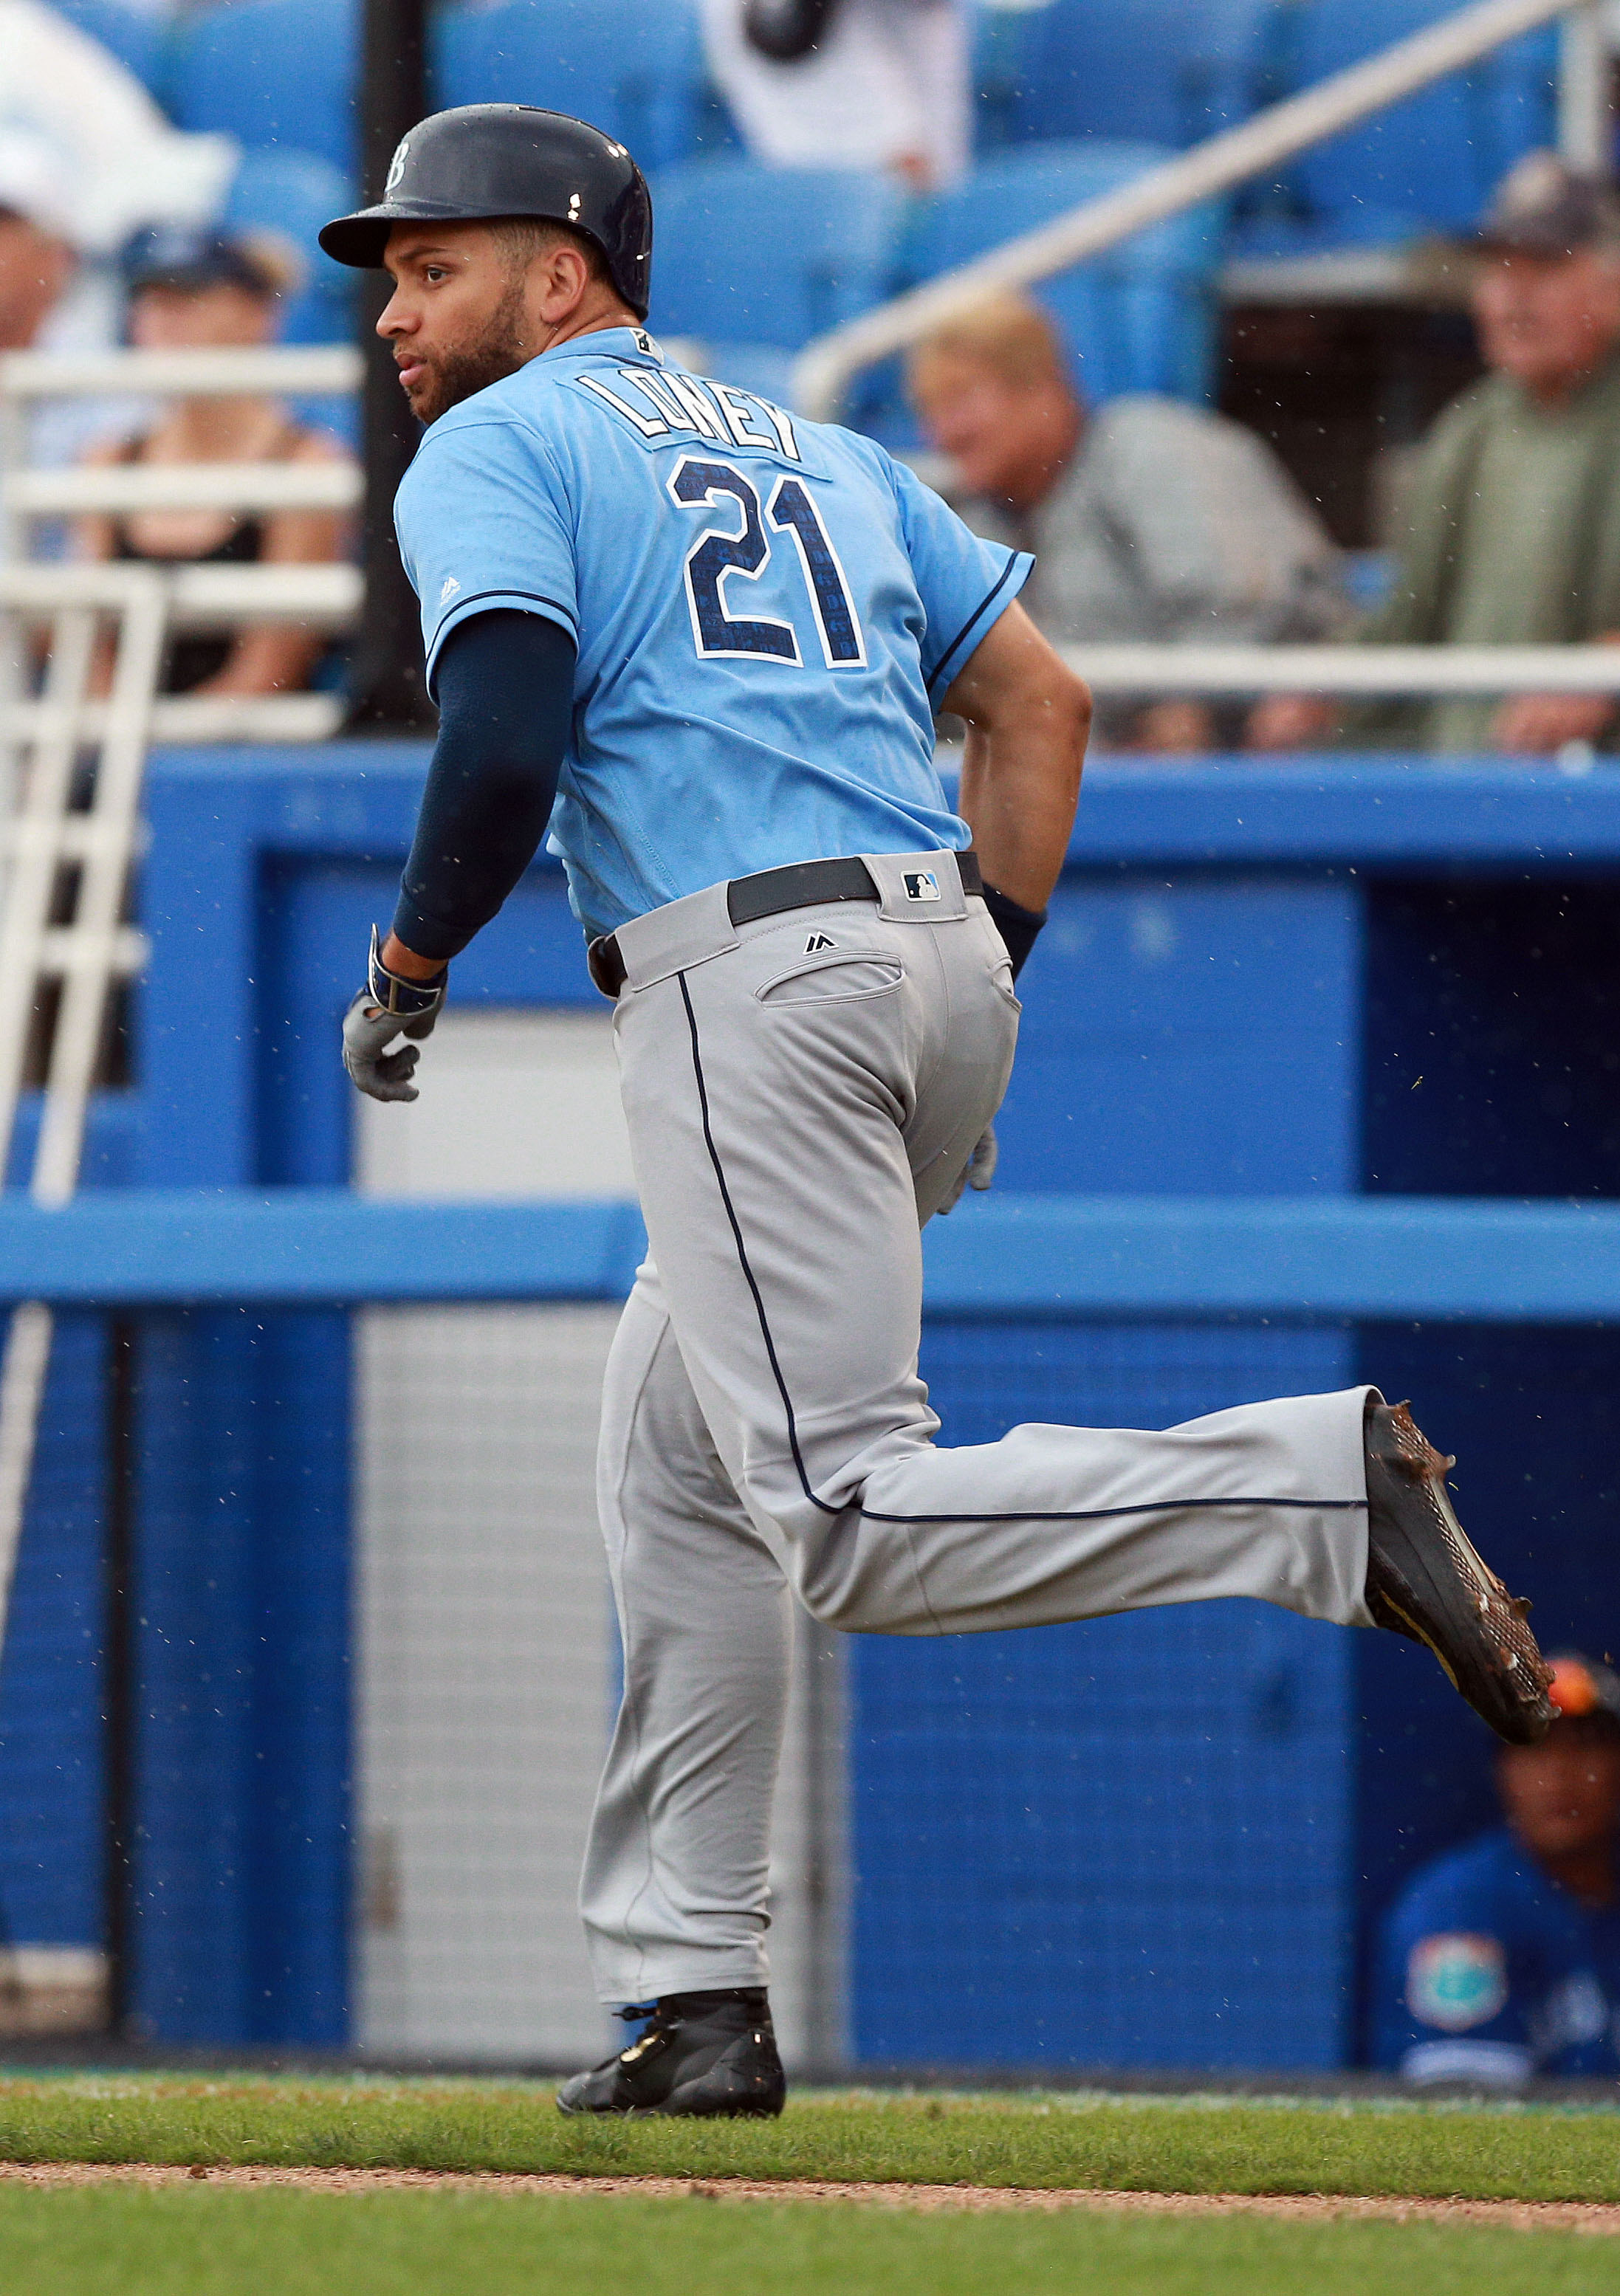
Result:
<point x="920" y="884"/>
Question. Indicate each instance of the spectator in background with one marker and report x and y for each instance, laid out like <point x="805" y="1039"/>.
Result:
<point x="1501" y="1960"/>
<point x="194" y="290"/>
<point x="1513" y="531"/>
<point x="880" y="84"/>
<point x="124" y="164"/>
<point x="113" y="162"/>
<point x="37" y="257"/>
<point x="1151" y="521"/>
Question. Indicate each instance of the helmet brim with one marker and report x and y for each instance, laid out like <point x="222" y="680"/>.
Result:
<point x="361" y="240"/>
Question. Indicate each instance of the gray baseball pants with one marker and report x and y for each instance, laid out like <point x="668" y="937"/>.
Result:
<point x="801" y="1093"/>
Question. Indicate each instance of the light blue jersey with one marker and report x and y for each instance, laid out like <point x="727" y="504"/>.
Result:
<point x="1489" y="1970"/>
<point x="766" y="610"/>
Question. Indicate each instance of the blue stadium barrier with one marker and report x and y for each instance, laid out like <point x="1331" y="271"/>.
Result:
<point x="754" y="261"/>
<point x="1140" y="318"/>
<point x="1119" y="1259"/>
<point x="636" y="71"/>
<point x="1156" y="71"/>
<point x="1275" y="1004"/>
<point x="277" y="72"/>
<point x="136" y="36"/>
<point x="1431" y="163"/>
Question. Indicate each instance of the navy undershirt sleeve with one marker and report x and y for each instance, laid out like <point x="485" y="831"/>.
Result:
<point x="505" y="683"/>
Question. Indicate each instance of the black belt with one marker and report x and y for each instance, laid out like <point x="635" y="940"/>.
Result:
<point x="802" y="885"/>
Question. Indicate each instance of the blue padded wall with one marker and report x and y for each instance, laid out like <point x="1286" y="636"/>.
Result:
<point x="1129" y="1841"/>
<point x="51" y="1841"/>
<point x="241" y="1911"/>
<point x="1534" y="1417"/>
<point x="1193" y="1036"/>
<point x="1505" y="1000"/>
<point x="1126" y="1842"/>
<point x="52" y="1812"/>
<point x="1492" y="1013"/>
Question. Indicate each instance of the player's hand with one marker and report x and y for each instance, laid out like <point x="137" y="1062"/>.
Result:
<point x="367" y="1031"/>
<point x="979" y="1170"/>
<point x="387" y="1008"/>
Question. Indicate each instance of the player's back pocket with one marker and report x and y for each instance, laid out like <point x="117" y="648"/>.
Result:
<point x="836" y="977"/>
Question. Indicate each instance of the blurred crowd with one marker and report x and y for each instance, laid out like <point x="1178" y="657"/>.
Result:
<point x="111" y="230"/>
<point x="1155" y="521"/>
<point x="1152" y="518"/>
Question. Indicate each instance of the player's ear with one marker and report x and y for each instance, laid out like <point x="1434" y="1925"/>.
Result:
<point x="559" y="275"/>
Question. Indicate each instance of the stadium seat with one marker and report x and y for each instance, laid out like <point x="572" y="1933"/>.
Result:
<point x="1431" y="163"/>
<point x="1139" y="318"/>
<point x="136" y="36"/>
<point x="1160" y="71"/>
<point x="767" y="258"/>
<point x="272" y="73"/>
<point x="289" y="195"/>
<point x="633" y="68"/>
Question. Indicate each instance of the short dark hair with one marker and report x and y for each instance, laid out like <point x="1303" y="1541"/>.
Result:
<point x="520" y="238"/>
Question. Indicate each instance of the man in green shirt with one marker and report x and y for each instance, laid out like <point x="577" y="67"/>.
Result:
<point x="1513" y="528"/>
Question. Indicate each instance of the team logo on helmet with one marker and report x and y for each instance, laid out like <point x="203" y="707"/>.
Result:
<point x="397" y="167"/>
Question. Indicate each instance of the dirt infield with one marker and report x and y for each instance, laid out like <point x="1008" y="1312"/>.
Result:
<point x="1602" y="2218"/>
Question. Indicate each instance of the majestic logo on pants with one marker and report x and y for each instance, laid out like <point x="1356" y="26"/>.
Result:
<point x="920" y="884"/>
<point x="818" y="940"/>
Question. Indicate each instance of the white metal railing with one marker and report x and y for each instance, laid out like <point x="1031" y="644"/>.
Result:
<point x="326" y="596"/>
<point x="56" y="845"/>
<point x="188" y="718"/>
<point x="1347" y="670"/>
<point x="826" y="368"/>
<point x="118" y="489"/>
<point x="195" y="597"/>
<point x="321" y="370"/>
<point x="199" y="597"/>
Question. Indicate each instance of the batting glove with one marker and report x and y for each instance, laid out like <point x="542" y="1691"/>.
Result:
<point x="979" y="1170"/>
<point x="388" y="1006"/>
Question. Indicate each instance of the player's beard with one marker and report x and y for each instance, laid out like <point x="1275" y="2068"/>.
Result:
<point x="453" y="375"/>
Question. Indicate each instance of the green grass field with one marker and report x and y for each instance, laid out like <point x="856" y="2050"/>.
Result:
<point x="206" y="2240"/>
<point x="198" y="2241"/>
<point x="1140" y="2144"/>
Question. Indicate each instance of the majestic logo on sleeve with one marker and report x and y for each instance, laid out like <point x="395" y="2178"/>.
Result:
<point x="448" y="590"/>
<point x="1457" y="1981"/>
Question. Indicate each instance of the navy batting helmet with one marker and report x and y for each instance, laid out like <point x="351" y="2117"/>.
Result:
<point x="487" y="160"/>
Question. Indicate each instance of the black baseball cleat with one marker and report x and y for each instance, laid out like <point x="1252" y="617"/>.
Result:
<point x="706" y="2055"/>
<point x="1425" y="1581"/>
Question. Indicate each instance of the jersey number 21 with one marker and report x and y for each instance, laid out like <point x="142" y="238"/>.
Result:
<point x="740" y="548"/>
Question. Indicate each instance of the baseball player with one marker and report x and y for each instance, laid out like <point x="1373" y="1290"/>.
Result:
<point x="1500" y="1962"/>
<point x="706" y="642"/>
